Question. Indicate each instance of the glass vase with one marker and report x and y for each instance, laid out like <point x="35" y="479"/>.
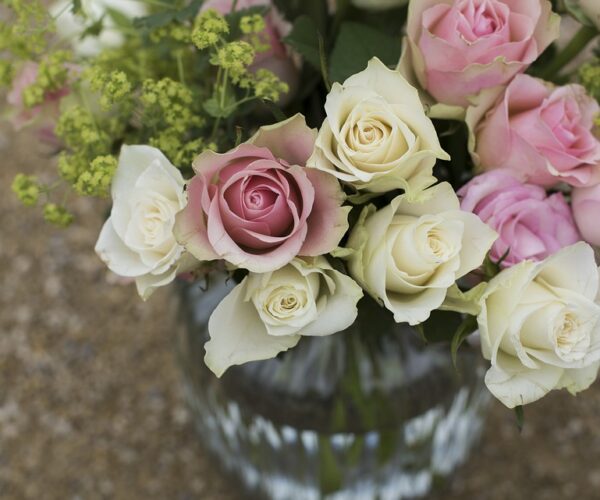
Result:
<point x="370" y="412"/>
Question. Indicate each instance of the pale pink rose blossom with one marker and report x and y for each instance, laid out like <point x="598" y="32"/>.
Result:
<point x="543" y="134"/>
<point x="457" y="48"/>
<point x="586" y="209"/>
<point x="278" y="58"/>
<point x="531" y="225"/>
<point x="258" y="206"/>
<point x="21" y="114"/>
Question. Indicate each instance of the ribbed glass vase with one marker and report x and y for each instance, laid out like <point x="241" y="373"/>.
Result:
<point x="371" y="412"/>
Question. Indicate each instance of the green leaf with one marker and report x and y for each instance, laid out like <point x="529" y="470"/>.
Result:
<point x="120" y="19"/>
<point x="468" y="326"/>
<point x="76" y="7"/>
<point x="440" y="326"/>
<point x="304" y="39"/>
<point x="356" y="45"/>
<point x="520" y="414"/>
<point x="214" y="109"/>
<point x="330" y="475"/>
<point x="154" y="21"/>
<point x="93" y="29"/>
<point x="575" y="10"/>
<point x="190" y="11"/>
<point x="464" y="302"/>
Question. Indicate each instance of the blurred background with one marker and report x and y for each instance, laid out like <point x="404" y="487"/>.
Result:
<point x="90" y="396"/>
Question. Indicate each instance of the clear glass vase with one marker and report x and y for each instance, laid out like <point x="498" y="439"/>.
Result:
<point x="371" y="412"/>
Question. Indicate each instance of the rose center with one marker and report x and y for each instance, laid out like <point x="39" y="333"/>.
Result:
<point x="369" y="132"/>
<point x="283" y="303"/>
<point x="571" y="336"/>
<point x="478" y="19"/>
<point x="438" y="247"/>
<point x="258" y="199"/>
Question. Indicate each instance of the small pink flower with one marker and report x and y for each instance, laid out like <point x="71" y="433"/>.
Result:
<point x="456" y="48"/>
<point x="277" y="59"/>
<point x="258" y="207"/>
<point x="23" y="115"/>
<point x="530" y="224"/>
<point x="543" y="134"/>
<point x="586" y="209"/>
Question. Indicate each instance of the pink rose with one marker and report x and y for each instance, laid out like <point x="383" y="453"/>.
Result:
<point x="258" y="207"/>
<point x="530" y="224"/>
<point x="23" y="115"/>
<point x="456" y="48"/>
<point x="277" y="59"/>
<point x="543" y="134"/>
<point x="586" y="209"/>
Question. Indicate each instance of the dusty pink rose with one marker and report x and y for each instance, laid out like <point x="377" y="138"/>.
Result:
<point x="586" y="209"/>
<point x="23" y="115"/>
<point x="543" y="134"/>
<point x="277" y="59"/>
<point x="531" y="225"/>
<point x="456" y="48"/>
<point x="258" y="207"/>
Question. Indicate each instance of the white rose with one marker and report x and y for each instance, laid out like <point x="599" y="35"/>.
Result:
<point x="376" y="136"/>
<point x="137" y="240"/>
<point x="540" y="326"/>
<point x="70" y="26"/>
<point x="408" y="254"/>
<point x="378" y="4"/>
<point x="268" y="313"/>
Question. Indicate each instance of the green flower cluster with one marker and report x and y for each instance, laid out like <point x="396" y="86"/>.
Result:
<point x="171" y="113"/>
<point x="234" y="59"/>
<point x="176" y="32"/>
<point x="95" y="181"/>
<point x="589" y="74"/>
<point x="113" y="86"/>
<point x="53" y="75"/>
<point x="25" y="28"/>
<point x="57" y="215"/>
<point x="209" y="29"/>
<point x="27" y="189"/>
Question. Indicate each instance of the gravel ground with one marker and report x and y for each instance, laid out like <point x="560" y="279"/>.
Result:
<point x="90" y="403"/>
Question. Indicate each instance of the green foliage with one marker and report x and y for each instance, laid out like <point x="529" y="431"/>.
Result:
<point x="356" y="45"/>
<point x="25" y="28"/>
<point x="27" y="189"/>
<point x="57" y="215"/>
<point x="52" y="76"/>
<point x="467" y="327"/>
<point x="95" y="181"/>
<point x="589" y="75"/>
<point x="304" y="39"/>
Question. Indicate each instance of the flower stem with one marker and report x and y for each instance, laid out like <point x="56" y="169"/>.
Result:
<point x="574" y="47"/>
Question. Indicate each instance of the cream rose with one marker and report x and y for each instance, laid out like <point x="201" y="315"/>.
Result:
<point x="408" y="254"/>
<point x="137" y="240"/>
<point x="540" y="326"/>
<point x="267" y="313"/>
<point x="376" y="136"/>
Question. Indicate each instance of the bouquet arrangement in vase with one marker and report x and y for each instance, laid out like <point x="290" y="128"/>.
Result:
<point x="432" y="154"/>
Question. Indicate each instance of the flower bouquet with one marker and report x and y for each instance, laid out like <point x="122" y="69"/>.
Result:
<point x="382" y="168"/>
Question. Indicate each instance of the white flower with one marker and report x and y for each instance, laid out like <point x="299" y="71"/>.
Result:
<point x="408" y="254"/>
<point x="137" y="240"/>
<point x="71" y="27"/>
<point x="268" y="313"/>
<point x="376" y="136"/>
<point x="540" y="326"/>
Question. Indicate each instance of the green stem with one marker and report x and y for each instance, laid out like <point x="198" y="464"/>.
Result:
<point x="584" y="36"/>
<point x="180" y="68"/>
